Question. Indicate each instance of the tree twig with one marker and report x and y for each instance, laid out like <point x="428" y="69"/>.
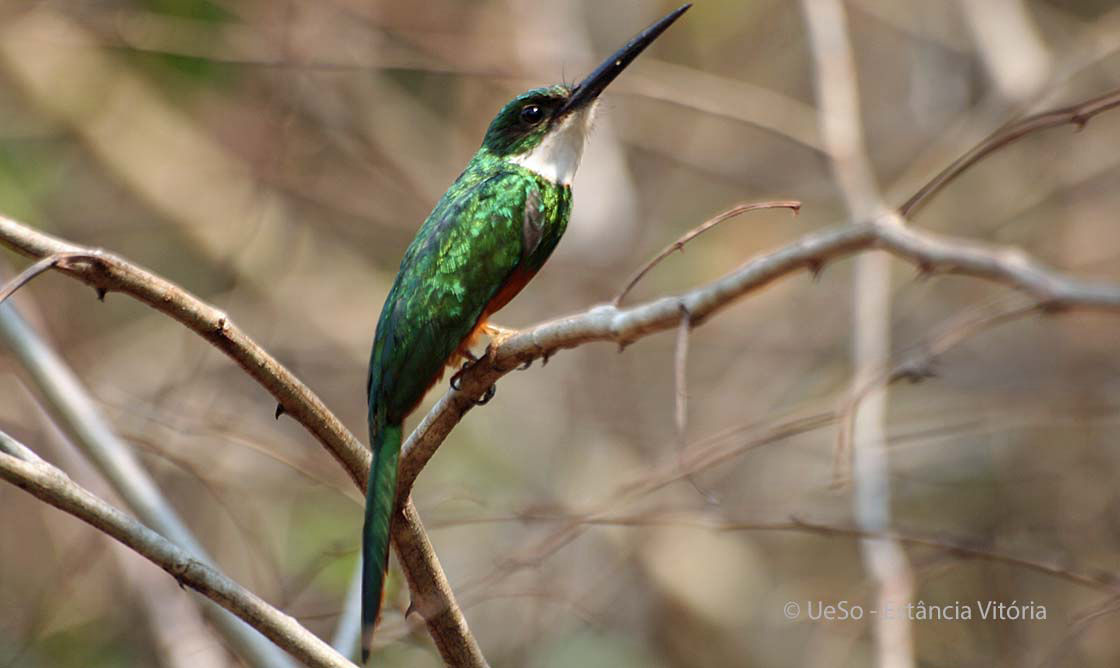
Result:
<point x="678" y="245"/>
<point x="916" y="366"/>
<point x="34" y="270"/>
<point x="1078" y="115"/>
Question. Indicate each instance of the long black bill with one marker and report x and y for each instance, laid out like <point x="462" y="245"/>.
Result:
<point x="589" y="88"/>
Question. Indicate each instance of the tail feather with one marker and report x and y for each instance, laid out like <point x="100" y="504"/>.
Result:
<point x="381" y="492"/>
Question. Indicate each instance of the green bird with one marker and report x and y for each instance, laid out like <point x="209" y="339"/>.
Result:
<point x="486" y="238"/>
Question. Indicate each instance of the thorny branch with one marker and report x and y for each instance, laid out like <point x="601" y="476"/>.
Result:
<point x="679" y="244"/>
<point x="109" y="273"/>
<point x="1077" y="115"/>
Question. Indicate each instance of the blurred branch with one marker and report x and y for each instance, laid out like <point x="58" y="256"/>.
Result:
<point x="964" y="547"/>
<point x="918" y="365"/>
<point x="1009" y="44"/>
<point x="1078" y="115"/>
<point x="72" y="407"/>
<point x="51" y="485"/>
<point x="884" y="560"/>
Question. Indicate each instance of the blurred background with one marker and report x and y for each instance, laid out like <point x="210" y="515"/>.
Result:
<point x="276" y="157"/>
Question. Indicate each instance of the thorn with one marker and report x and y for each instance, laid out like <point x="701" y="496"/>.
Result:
<point x="925" y="270"/>
<point x="544" y="358"/>
<point x="1052" y="307"/>
<point x="1079" y="122"/>
<point x="101" y="292"/>
<point x="280" y="410"/>
<point x="816" y="266"/>
<point x="917" y="371"/>
<point x="528" y="363"/>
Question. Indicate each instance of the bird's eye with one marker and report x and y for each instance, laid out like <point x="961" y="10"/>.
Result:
<point x="531" y="114"/>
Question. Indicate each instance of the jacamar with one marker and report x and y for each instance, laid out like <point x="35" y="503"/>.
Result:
<point x="485" y="239"/>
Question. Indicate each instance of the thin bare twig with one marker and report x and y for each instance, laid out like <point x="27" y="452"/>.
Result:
<point x="1078" y="115"/>
<point x="678" y="245"/>
<point x="917" y="366"/>
<point x="25" y="276"/>
<point x="680" y="378"/>
<point x="968" y="548"/>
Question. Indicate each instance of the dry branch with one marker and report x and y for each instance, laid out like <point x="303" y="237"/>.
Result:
<point x="931" y="253"/>
<point x="108" y="273"/>
<point x="679" y="244"/>
<point x="1078" y="115"/>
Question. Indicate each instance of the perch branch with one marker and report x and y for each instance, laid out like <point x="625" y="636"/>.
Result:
<point x="931" y="253"/>
<point x="109" y="273"/>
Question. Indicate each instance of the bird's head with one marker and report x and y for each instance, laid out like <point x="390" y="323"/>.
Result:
<point x="544" y="129"/>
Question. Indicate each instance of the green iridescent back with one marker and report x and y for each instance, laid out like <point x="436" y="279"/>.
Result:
<point x="462" y="256"/>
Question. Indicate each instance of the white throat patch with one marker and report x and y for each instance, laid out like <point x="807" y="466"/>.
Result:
<point x="557" y="156"/>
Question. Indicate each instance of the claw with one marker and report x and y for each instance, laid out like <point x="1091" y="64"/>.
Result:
<point x="486" y="396"/>
<point x="457" y="377"/>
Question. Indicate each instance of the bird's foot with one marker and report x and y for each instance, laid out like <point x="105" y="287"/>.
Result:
<point x="498" y="335"/>
<point x="457" y="378"/>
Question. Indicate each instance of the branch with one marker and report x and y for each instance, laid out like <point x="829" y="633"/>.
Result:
<point x="67" y="401"/>
<point x="678" y="245"/>
<point x="106" y="272"/>
<point x="916" y="366"/>
<point x="20" y="467"/>
<point x="1078" y="115"/>
<point x="931" y="253"/>
<point x="967" y="548"/>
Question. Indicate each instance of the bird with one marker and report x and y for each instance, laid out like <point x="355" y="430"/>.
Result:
<point x="483" y="242"/>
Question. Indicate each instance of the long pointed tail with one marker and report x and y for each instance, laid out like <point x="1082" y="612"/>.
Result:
<point x="381" y="492"/>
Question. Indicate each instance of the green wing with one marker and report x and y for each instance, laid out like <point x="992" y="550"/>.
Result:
<point x="463" y="254"/>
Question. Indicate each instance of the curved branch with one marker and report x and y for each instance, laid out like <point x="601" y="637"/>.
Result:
<point x="28" y="472"/>
<point x="931" y="253"/>
<point x="1078" y="115"/>
<point x="107" y="272"/>
<point x="715" y="220"/>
